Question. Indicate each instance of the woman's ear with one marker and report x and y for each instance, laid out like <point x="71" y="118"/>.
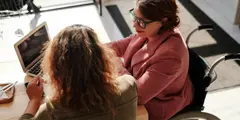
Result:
<point x="165" y="19"/>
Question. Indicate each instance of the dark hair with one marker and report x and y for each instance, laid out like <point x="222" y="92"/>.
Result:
<point x="81" y="69"/>
<point x="159" y="9"/>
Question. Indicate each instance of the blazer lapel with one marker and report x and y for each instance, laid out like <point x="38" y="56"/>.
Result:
<point x="133" y="47"/>
<point x="149" y="49"/>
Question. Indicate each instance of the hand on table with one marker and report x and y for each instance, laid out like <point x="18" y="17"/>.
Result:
<point x="34" y="92"/>
<point x="35" y="89"/>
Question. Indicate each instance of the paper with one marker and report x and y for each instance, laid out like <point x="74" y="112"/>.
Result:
<point x="2" y="95"/>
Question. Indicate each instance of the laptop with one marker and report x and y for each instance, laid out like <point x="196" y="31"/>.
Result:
<point x="30" y="49"/>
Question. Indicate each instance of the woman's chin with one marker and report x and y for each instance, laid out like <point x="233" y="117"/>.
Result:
<point x="140" y="34"/>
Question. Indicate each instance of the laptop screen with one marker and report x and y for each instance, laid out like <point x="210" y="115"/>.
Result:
<point x="32" y="47"/>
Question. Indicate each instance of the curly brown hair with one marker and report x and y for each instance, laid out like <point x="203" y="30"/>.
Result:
<point x="81" y="69"/>
<point x="157" y="10"/>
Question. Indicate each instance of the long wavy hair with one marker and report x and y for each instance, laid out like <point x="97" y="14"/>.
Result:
<point x="81" y="69"/>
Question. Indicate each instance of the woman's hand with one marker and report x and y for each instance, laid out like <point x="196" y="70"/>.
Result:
<point x="35" y="89"/>
<point x="34" y="92"/>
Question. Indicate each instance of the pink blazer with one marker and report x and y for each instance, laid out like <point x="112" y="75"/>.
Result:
<point x="161" y="71"/>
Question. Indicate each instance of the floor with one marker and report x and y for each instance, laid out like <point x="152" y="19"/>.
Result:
<point x="212" y="45"/>
<point x="223" y="17"/>
<point x="222" y="103"/>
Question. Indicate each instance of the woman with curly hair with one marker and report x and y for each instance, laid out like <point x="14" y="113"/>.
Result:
<point x="83" y="81"/>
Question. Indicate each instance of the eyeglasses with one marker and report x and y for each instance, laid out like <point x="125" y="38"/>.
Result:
<point x="140" y="22"/>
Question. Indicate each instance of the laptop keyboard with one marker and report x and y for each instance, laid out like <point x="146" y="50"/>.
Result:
<point x="35" y="69"/>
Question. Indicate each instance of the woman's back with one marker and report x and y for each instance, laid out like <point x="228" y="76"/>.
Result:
<point x="125" y="106"/>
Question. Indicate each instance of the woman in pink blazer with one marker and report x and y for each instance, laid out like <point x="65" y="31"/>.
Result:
<point x="157" y="57"/>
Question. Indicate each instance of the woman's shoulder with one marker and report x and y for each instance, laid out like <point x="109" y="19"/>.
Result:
<point x="127" y="90"/>
<point x="43" y="112"/>
<point x="175" y="34"/>
<point x="126" y="82"/>
<point x="174" y="46"/>
<point x="175" y="40"/>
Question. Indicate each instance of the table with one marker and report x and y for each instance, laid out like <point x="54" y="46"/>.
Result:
<point x="142" y="113"/>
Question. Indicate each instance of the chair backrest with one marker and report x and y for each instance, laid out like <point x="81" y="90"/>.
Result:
<point x="198" y="69"/>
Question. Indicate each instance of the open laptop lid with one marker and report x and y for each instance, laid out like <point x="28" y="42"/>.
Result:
<point x="29" y="48"/>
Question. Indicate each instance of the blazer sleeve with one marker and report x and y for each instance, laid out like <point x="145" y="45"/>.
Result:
<point x="156" y="78"/>
<point x="42" y="114"/>
<point x="120" y="46"/>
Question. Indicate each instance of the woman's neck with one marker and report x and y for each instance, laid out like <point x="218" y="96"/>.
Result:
<point x="151" y="38"/>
